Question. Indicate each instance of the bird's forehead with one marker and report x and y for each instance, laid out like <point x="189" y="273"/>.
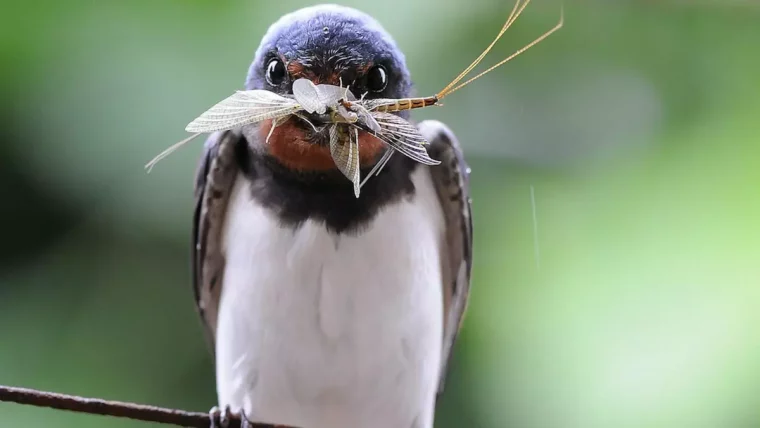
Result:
<point x="328" y="29"/>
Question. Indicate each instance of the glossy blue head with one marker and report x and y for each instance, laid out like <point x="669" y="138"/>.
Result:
<point x="330" y="44"/>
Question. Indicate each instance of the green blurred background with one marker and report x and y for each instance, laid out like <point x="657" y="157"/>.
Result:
<point x="638" y="126"/>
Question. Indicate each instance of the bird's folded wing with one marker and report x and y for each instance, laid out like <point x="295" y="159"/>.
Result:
<point x="215" y="177"/>
<point x="451" y="180"/>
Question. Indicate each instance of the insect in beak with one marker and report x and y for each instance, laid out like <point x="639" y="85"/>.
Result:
<point x="336" y="107"/>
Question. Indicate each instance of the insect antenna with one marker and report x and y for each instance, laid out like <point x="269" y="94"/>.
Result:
<point x="517" y="10"/>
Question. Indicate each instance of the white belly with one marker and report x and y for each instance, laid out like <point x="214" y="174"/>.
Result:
<point x="319" y="330"/>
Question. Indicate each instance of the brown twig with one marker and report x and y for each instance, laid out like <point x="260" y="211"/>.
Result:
<point x="118" y="409"/>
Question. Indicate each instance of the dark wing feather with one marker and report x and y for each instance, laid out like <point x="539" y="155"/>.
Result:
<point x="451" y="180"/>
<point x="214" y="179"/>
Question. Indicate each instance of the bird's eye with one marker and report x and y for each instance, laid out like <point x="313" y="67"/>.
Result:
<point x="377" y="78"/>
<point x="275" y="72"/>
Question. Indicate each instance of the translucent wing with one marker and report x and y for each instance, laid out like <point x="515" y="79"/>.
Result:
<point x="353" y="142"/>
<point x="307" y="96"/>
<point x="403" y="137"/>
<point x="344" y="148"/>
<point x="333" y="94"/>
<point x="365" y="117"/>
<point x="318" y="98"/>
<point x="243" y="108"/>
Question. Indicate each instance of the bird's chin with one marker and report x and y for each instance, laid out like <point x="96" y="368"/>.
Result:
<point x="298" y="145"/>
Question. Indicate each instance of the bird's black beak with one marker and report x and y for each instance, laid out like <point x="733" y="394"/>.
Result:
<point x="318" y="120"/>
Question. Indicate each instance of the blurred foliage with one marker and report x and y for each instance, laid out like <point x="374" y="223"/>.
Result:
<point x="637" y="126"/>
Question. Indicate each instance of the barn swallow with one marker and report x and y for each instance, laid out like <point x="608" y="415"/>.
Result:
<point x="328" y="310"/>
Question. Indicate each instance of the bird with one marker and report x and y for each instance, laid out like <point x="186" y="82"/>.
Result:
<point x="324" y="309"/>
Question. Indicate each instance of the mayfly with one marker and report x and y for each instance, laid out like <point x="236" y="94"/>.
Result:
<point x="344" y="113"/>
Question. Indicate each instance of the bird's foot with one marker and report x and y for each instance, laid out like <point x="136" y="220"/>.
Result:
<point x="222" y="418"/>
<point x="219" y="418"/>
<point x="244" y="422"/>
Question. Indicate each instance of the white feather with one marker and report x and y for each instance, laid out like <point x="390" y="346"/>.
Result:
<point x="333" y="331"/>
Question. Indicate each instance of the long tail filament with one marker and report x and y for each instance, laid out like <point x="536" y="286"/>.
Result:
<point x="517" y="10"/>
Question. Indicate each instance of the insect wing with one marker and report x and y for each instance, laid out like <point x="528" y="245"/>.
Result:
<point x="318" y="98"/>
<point x="365" y="117"/>
<point x="330" y="94"/>
<point x="308" y="96"/>
<point x="344" y="148"/>
<point x="369" y="120"/>
<point x="403" y="137"/>
<point x="355" y="178"/>
<point x="243" y="108"/>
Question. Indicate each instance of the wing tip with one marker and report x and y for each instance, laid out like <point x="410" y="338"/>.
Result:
<point x="435" y="130"/>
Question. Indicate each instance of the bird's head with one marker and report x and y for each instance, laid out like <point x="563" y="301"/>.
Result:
<point x="327" y="44"/>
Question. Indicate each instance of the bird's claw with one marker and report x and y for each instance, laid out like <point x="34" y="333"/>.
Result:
<point x="223" y="416"/>
<point x="212" y="415"/>
<point x="244" y="422"/>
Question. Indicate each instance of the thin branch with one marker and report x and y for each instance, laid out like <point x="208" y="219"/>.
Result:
<point x="118" y="409"/>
